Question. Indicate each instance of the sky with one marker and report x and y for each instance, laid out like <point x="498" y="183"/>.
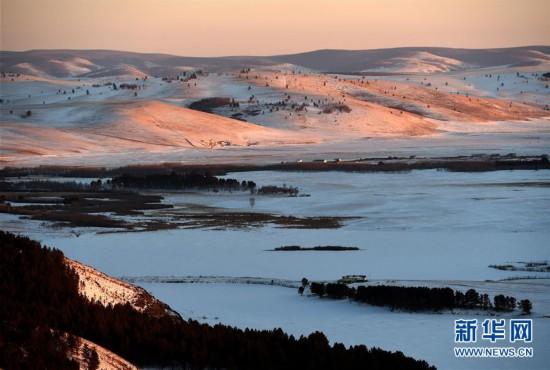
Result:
<point x="270" y="27"/>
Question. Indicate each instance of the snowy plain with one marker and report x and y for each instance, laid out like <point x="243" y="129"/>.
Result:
<point x="423" y="228"/>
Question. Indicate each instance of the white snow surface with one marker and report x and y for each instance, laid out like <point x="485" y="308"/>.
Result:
<point x="424" y="228"/>
<point x="421" y="62"/>
<point x="389" y="254"/>
<point x="421" y="335"/>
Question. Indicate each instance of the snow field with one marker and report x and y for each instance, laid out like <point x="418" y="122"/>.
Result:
<point x="424" y="228"/>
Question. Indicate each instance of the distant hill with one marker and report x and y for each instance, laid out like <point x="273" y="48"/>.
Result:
<point x="365" y="60"/>
<point x="105" y="63"/>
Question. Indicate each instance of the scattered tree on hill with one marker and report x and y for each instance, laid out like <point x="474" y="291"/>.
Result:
<point x="126" y="86"/>
<point x="209" y="104"/>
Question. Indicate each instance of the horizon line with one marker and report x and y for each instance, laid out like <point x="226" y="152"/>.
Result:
<point x="270" y="55"/>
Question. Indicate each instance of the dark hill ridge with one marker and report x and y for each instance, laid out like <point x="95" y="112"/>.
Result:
<point x="90" y="63"/>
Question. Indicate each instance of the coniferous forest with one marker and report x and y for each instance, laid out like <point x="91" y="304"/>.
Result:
<point x="417" y="298"/>
<point x="39" y="303"/>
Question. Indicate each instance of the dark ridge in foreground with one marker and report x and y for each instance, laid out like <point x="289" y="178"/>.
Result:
<point x="40" y="299"/>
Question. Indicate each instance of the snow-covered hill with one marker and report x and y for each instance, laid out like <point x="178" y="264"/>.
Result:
<point x="98" y="287"/>
<point x="88" y="63"/>
<point x="421" y="93"/>
<point x="106" y="290"/>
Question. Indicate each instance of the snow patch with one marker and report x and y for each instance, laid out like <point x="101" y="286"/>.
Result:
<point x="107" y="359"/>
<point x="420" y="62"/>
<point x="96" y="286"/>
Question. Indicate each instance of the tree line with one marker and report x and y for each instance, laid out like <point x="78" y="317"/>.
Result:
<point x="39" y="292"/>
<point x="45" y="185"/>
<point x="195" y="181"/>
<point x="417" y="298"/>
<point x="173" y="181"/>
<point x="176" y="180"/>
<point x="393" y="164"/>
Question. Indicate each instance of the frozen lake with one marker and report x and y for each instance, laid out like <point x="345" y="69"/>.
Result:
<point x="421" y="335"/>
<point x="429" y="226"/>
<point x="420" y="200"/>
<point x="418" y="225"/>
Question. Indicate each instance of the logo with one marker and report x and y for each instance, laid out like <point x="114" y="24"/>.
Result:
<point x="465" y="331"/>
<point x="493" y="331"/>
<point x="521" y="330"/>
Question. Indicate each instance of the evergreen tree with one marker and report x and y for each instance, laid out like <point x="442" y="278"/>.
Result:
<point x="526" y="306"/>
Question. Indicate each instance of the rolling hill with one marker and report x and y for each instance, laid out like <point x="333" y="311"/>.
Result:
<point x="77" y="105"/>
<point x="102" y="63"/>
